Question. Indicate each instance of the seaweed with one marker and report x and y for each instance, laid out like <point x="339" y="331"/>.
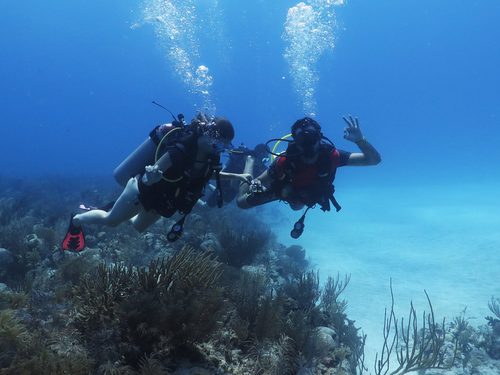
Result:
<point x="415" y="347"/>
<point x="167" y="306"/>
<point x="143" y="313"/>
<point x="241" y="235"/>
<point x="14" y="337"/>
<point x="151" y="366"/>
<point x="98" y="293"/>
<point x="278" y="357"/>
<point x="465" y="336"/>
<point x="240" y="247"/>
<point x="269" y="320"/>
<point x="491" y="340"/>
<point x="333" y="311"/>
<point x="494" y="306"/>
<point x="13" y="300"/>
<point x="304" y="290"/>
<point x="246" y="295"/>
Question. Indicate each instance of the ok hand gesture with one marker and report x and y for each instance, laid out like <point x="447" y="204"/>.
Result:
<point x="352" y="132"/>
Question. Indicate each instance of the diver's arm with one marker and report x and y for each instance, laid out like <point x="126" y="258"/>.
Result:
<point x="265" y="179"/>
<point x="154" y="173"/>
<point x="368" y="155"/>
<point x="244" y="177"/>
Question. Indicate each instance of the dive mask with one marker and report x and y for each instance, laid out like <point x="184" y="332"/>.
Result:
<point x="307" y="140"/>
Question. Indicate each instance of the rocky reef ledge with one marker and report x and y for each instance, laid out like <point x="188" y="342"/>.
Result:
<point x="226" y="298"/>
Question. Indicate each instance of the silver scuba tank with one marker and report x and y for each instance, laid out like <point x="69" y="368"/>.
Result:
<point x="142" y="156"/>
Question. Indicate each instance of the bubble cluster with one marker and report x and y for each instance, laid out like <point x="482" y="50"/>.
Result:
<point x="309" y="32"/>
<point x="174" y="22"/>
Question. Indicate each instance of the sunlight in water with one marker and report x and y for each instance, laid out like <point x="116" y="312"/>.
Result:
<point x="309" y="32"/>
<point x="173" y="22"/>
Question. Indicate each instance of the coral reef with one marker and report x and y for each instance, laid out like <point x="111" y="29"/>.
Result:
<point x="226" y="298"/>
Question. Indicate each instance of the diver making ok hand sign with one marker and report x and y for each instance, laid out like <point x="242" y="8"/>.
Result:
<point x="303" y="175"/>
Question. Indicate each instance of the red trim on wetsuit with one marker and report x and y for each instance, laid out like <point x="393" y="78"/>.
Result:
<point x="307" y="174"/>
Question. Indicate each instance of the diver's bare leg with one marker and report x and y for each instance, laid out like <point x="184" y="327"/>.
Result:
<point x="249" y="165"/>
<point x="144" y="219"/>
<point x="244" y="187"/>
<point x="126" y="207"/>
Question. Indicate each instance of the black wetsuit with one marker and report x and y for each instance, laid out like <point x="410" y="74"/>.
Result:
<point x="236" y="164"/>
<point x="185" y="185"/>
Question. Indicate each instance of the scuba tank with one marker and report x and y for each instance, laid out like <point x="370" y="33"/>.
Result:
<point x="145" y="153"/>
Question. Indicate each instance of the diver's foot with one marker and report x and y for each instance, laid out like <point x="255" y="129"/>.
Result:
<point x="75" y="238"/>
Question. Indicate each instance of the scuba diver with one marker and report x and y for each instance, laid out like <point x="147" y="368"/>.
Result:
<point x="236" y="164"/>
<point x="163" y="185"/>
<point x="303" y="175"/>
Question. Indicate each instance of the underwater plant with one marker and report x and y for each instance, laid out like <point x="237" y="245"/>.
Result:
<point x="98" y="293"/>
<point x="494" y="306"/>
<point x="415" y="347"/>
<point x="304" y="290"/>
<point x="492" y="338"/>
<point x="242" y="236"/>
<point x="151" y="366"/>
<point x="269" y="320"/>
<point x="167" y="306"/>
<point x="465" y="336"/>
<point x="14" y="337"/>
<point x="275" y="357"/>
<point x="240" y="247"/>
<point x="13" y="300"/>
<point x="330" y="304"/>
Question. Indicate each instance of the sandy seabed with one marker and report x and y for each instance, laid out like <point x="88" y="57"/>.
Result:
<point x="442" y="239"/>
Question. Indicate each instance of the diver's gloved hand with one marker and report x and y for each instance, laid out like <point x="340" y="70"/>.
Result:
<point x="352" y="132"/>
<point x="152" y="175"/>
<point x="256" y="187"/>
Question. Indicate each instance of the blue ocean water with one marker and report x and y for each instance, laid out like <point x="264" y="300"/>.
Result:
<point x="78" y="79"/>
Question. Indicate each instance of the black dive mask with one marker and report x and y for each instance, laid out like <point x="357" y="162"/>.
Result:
<point x="307" y="140"/>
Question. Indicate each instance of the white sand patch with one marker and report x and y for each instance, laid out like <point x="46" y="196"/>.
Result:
<point x="443" y="239"/>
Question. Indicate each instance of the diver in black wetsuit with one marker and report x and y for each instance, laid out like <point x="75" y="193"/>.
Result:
<point x="303" y="175"/>
<point x="174" y="183"/>
<point x="236" y="164"/>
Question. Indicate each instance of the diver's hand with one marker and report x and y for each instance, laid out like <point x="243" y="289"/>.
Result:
<point x="246" y="177"/>
<point x="352" y="132"/>
<point x="256" y="187"/>
<point x="152" y="175"/>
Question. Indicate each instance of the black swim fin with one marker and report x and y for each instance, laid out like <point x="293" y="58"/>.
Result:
<point x="75" y="238"/>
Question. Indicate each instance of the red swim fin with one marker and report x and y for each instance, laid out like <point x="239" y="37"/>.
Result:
<point x="74" y="239"/>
